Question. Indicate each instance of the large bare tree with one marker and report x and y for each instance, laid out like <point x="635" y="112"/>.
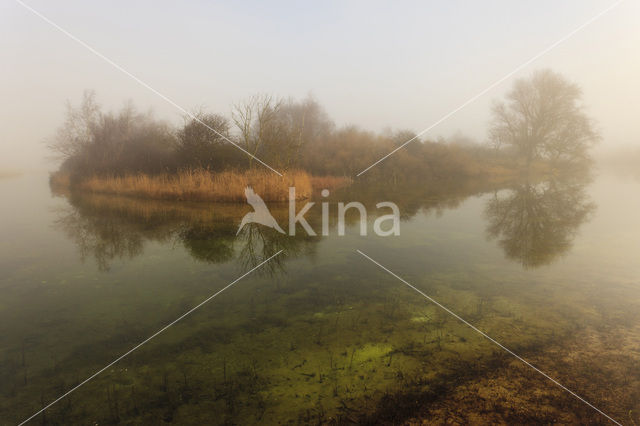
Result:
<point x="543" y="117"/>
<point x="94" y="142"/>
<point x="277" y="130"/>
<point x="77" y="132"/>
<point x="256" y="120"/>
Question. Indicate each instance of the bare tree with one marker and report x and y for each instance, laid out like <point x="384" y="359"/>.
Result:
<point x="543" y="118"/>
<point x="299" y="124"/>
<point x="277" y="129"/>
<point x="76" y="134"/>
<point x="93" y="142"/>
<point x="256" y="122"/>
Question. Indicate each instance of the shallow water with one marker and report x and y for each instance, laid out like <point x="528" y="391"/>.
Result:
<point x="321" y="334"/>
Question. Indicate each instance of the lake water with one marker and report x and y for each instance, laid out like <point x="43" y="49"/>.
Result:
<point x="320" y="334"/>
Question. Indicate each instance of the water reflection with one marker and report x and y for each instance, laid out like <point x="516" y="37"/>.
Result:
<point x="334" y="339"/>
<point x="536" y="222"/>
<point x="208" y="243"/>
<point x="114" y="228"/>
<point x="109" y="228"/>
<point x="259" y="243"/>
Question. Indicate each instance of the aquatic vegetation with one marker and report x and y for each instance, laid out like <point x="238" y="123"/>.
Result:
<point x="318" y="338"/>
<point x="342" y="362"/>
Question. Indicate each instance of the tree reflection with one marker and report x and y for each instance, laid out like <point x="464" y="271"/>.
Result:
<point x="535" y="223"/>
<point x="259" y="243"/>
<point x="114" y="228"/>
<point x="106" y="236"/>
<point x="208" y="243"/>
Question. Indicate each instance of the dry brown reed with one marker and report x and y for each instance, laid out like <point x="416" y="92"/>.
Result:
<point x="60" y="181"/>
<point x="319" y="183"/>
<point x="198" y="185"/>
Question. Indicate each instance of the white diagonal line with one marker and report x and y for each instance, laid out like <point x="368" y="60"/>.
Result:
<point x="496" y="83"/>
<point x="482" y="333"/>
<point x="148" y="338"/>
<point x="142" y="83"/>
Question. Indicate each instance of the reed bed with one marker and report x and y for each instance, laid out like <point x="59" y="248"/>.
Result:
<point x="319" y="183"/>
<point x="199" y="185"/>
<point x="60" y="180"/>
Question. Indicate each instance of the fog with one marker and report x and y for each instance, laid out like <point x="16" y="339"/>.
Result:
<point x="373" y="65"/>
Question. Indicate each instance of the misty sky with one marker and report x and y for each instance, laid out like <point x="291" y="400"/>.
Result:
<point x="375" y="65"/>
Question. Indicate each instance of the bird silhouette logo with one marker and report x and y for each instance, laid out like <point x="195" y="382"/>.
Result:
<point x="260" y="213"/>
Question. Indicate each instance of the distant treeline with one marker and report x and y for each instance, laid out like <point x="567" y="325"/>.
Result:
<point x="542" y="120"/>
<point x="286" y="134"/>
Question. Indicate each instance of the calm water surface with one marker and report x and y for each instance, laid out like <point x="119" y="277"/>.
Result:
<point x="321" y="334"/>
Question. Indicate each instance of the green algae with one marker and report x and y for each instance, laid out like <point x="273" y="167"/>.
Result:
<point x="273" y="358"/>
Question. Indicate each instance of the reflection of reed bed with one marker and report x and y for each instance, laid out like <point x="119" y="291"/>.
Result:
<point x="148" y="209"/>
<point x="206" y="213"/>
<point x="110" y="226"/>
<point x="210" y="214"/>
<point x="203" y="185"/>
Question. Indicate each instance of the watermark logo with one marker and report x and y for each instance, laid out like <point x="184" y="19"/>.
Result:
<point x="260" y="213"/>
<point x="384" y="224"/>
